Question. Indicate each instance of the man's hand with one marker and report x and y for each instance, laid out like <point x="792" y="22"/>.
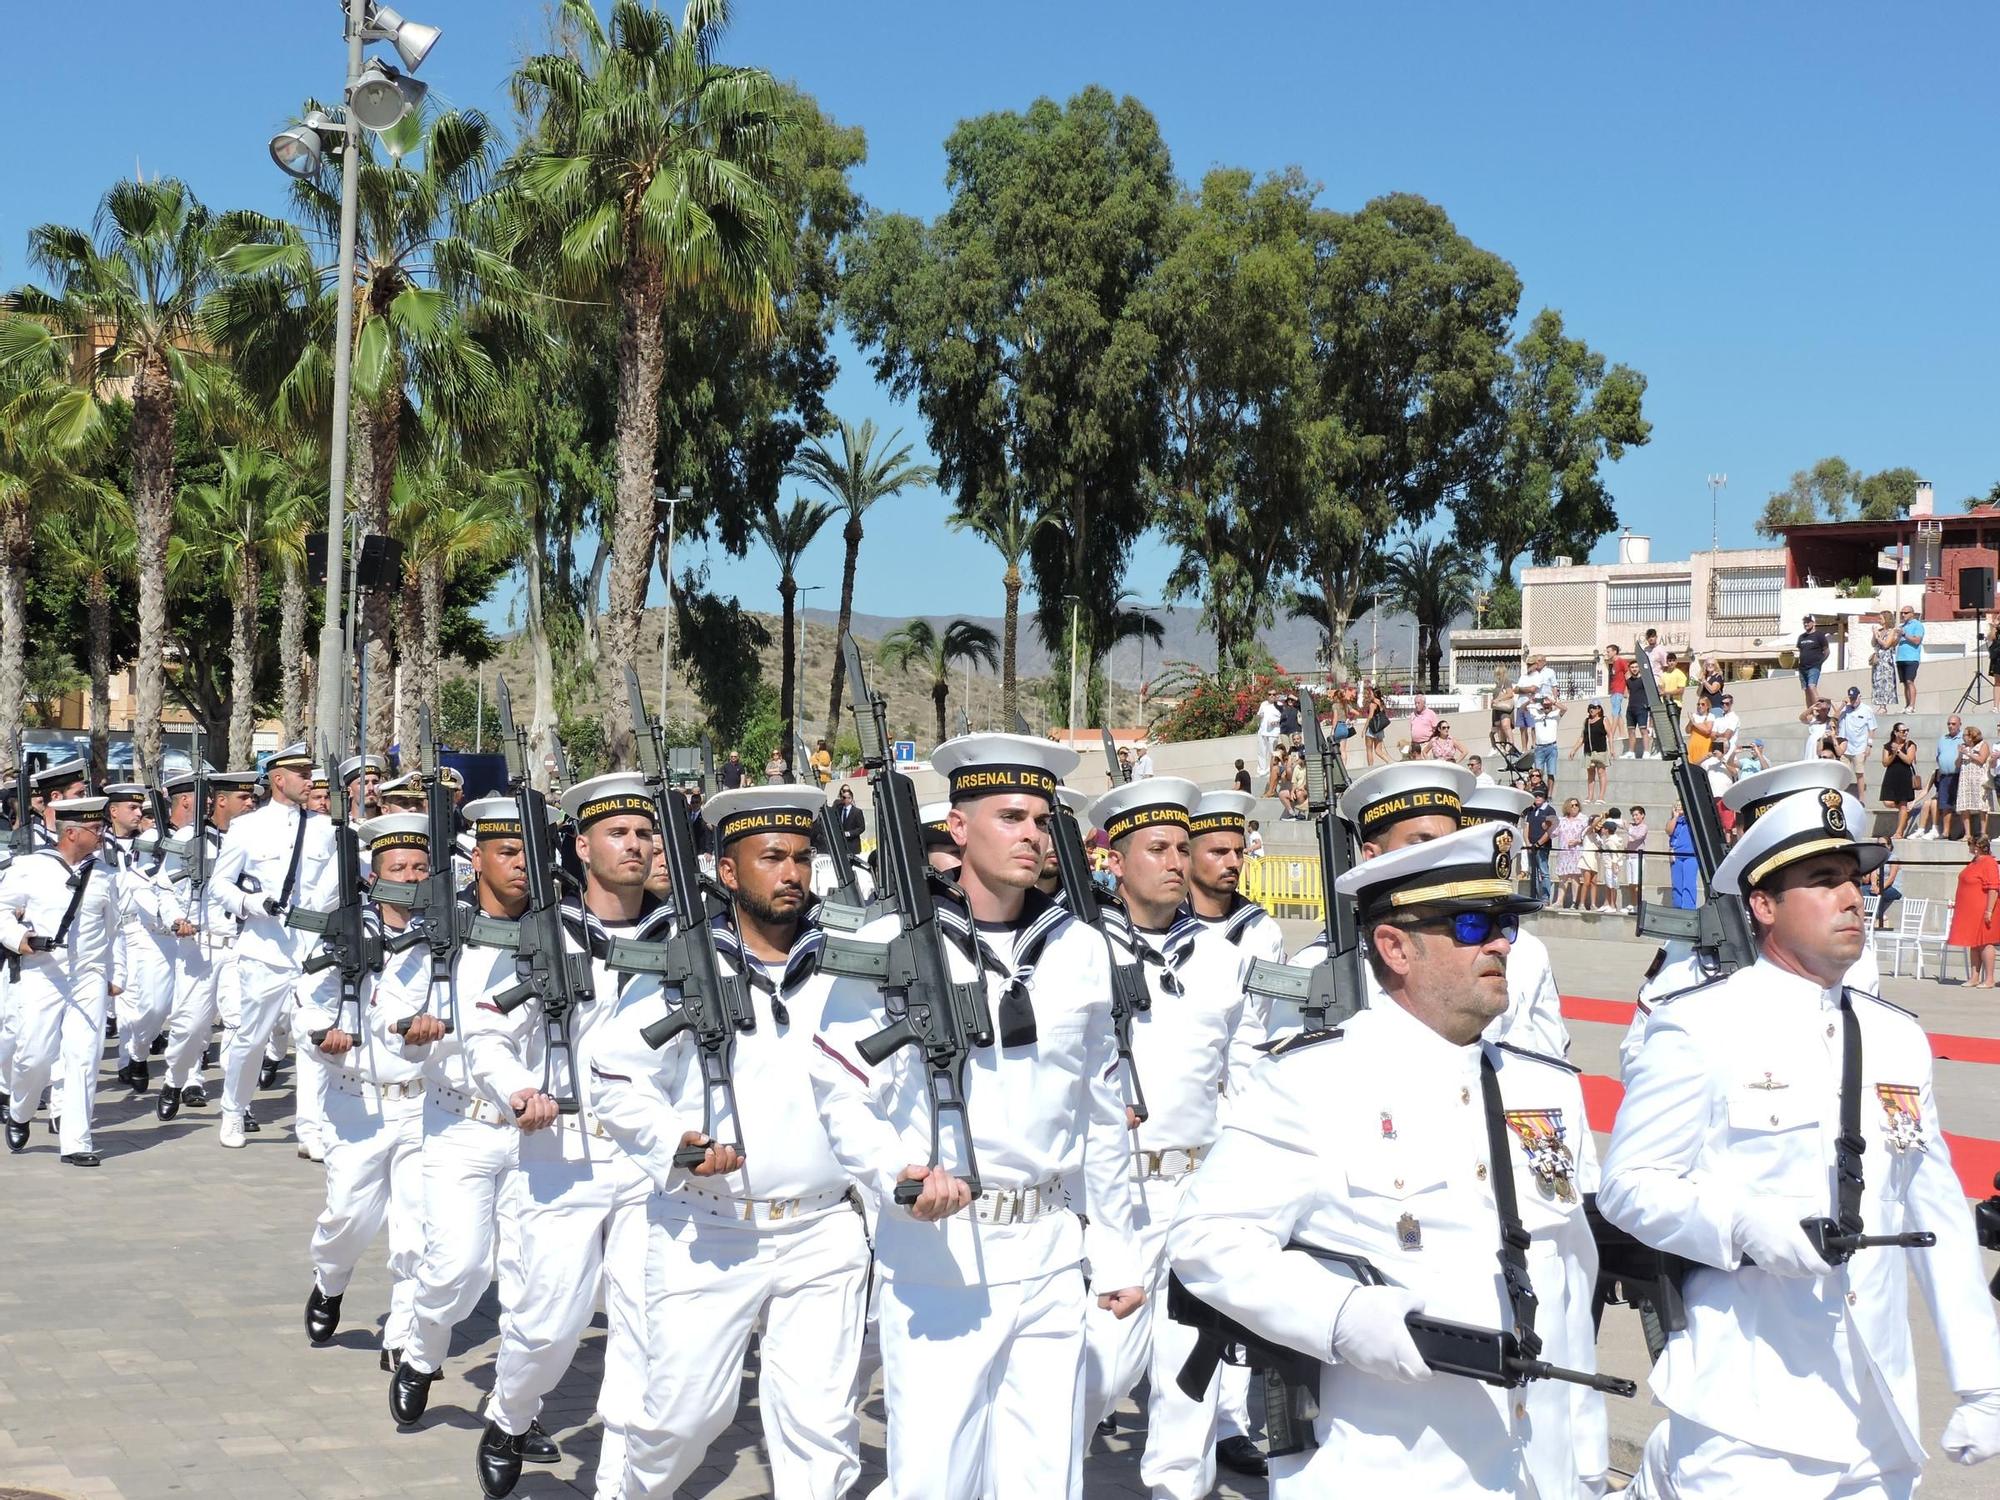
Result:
<point x="183" y="928"/>
<point x="719" y="1161"/>
<point x="271" y="907"/>
<point x="943" y="1194"/>
<point x="336" y="1043"/>
<point x="423" y="1030"/>
<point x="1768" y="1232"/>
<point x="533" y="1110"/>
<point x="1122" y="1304"/>
<point x="115" y="989"/>
<point x="1973" y="1434"/>
<point x="1132" y="1120"/>
<point x="1371" y="1334"/>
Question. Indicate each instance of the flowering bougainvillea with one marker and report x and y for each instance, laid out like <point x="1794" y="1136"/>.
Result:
<point x="1196" y="705"/>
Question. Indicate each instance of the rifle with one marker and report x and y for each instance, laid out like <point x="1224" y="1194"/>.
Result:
<point x="714" y="1005"/>
<point x="964" y="722"/>
<point x="1720" y="927"/>
<point x="1118" y="773"/>
<point x="930" y="1010"/>
<point x="1021" y="724"/>
<point x="351" y="945"/>
<point x="1129" y="995"/>
<point x="445" y="923"/>
<point x="1986" y="1224"/>
<point x="195" y="858"/>
<point x="846" y="889"/>
<point x="22" y="839"/>
<point x="547" y="971"/>
<point x="1491" y="1356"/>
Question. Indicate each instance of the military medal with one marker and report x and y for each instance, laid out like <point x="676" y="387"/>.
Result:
<point x="1902" y="1116"/>
<point x="1388" y="1126"/>
<point x="1540" y="1132"/>
<point x="1409" y="1233"/>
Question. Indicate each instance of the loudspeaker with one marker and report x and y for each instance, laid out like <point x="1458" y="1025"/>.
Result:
<point x="381" y="565"/>
<point x="1975" y="588"/>
<point x="316" y="558"/>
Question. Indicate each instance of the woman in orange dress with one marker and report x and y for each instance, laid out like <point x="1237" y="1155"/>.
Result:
<point x="1973" y="924"/>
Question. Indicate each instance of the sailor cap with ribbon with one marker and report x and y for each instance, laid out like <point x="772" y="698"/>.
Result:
<point x="1222" y="812"/>
<point x="1493" y="804"/>
<point x="294" y="757"/>
<point x="495" y="817"/>
<point x="354" y="765"/>
<point x="76" y="768"/>
<point x="934" y="820"/>
<point x="1076" y="801"/>
<point x="780" y="807"/>
<point x="126" y="791"/>
<point x="1795" y="828"/>
<point x="1761" y="791"/>
<point x="319" y="779"/>
<point x="1413" y="789"/>
<point x="79" y="809"/>
<point x="979" y="765"/>
<point x="1470" y="870"/>
<point x="617" y="794"/>
<point x="1158" y="801"/>
<point x="227" y="780"/>
<point x="396" y="831"/>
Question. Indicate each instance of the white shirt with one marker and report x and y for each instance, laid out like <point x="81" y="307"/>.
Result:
<point x="378" y="1054"/>
<point x="1724" y="727"/>
<point x="1143" y="766"/>
<point x="1857" y="729"/>
<point x="1267" y="718"/>
<point x="1548" y="724"/>
<point x="256" y="854"/>
<point x="36" y="890"/>
<point x="1191" y="1046"/>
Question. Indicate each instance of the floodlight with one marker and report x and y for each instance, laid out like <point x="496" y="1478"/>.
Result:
<point x="297" y="151"/>
<point x="412" y="39"/>
<point x="381" y="96"/>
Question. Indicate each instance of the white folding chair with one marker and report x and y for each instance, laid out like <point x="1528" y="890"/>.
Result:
<point x="1906" y="936"/>
<point x="1936" y="939"/>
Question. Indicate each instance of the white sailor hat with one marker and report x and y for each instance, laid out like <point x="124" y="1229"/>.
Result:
<point x="1076" y="801"/>
<point x="126" y="791"/>
<point x="396" y="831"/>
<point x="76" y="768"/>
<point x="1493" y="804"/>
<point x="319" y="779"/>
<point x="355" y="765"/>
<point x="1412" y="789"/>
<point x="777" y="807"/>
<point x="1761" y="791"/>
<point x="79" y="809"/>
<point x="451" y="777"/>
<point x="1470" y="870"/>
<point x="1222" y="812"/>
<point x="465" y="843"/>
<point x="294" y="756"/>
<point x="1795" y="828"/>
<point x="240" y="780"/>
<point x="976" y="765"/>
<point x="933" y="819"/>
<point x="617" y="794"/>
<point x="495" y="817"/>
<point x="1156" y="801"/>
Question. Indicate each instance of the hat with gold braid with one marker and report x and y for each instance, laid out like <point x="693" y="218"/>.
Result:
<point x="1470" y="870"/>
<point x="1222" y="812"/>
<point x="980" y="765"/>
<point x="1413" y="789"/>
<point x="1793" y="828"/>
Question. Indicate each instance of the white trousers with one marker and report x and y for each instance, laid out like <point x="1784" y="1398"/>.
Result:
<point x="148" y="999"/>
<point x="711" y="1283"/>
<point x="1701" y="1462"/>
<point x="1179" y="1461"/>
<point x="373" y="1177"/>
<point x="1232" y="1402"/>
<point x="265" y="992"/>
<point x="315" y="1085"/>
<point x="984" y="1389"/>
<point x="10" y="1026"/>
<point x="1266" y="744"/>
<point x="61" y="1039"/>
<point x="470" y="1232"/>
<point x="198" y="975"/>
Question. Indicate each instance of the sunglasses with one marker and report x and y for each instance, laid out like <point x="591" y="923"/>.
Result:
<point x="1473" y="928"/>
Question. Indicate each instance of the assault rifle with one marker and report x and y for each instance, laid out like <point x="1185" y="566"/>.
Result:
<point x="930" y="1010"/>
<point x="714" y="1005"/>
<point x="350" y="945"/>
<point x="1491" y="1356"/>
<point x="1113" y="767"/>
<point x="434" y="899"/>
<point x="1129" y="995"/>
<point x="195" y="857"/>
<point x="1986" y="1224"/>
<point x="22" y="839"/>
<point x="846" y="892"/>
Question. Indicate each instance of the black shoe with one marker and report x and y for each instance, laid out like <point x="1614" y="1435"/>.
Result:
<point x="194" y="1096"/>
<point x="124" y="1073"/>
<point x="169" y="1103"/>
<point x="390" y="1359"/>
<point x="142" y="1075"/>
<point x="1108" y="1426"/>
<point x="159" y="1045"/>
<point x="250" y="1125"/>
<point x="55" y="1124"/>
<point x="499" y="1461"/>
<point x="410" y="1393"/>
<point x="17" y="1135"/>
<point x="267" y="1074"/>
<point x="110" y="1028"/>
<point x="1239" y="1455"/>
<point x="5" y="1100"/>
<point x="82" y="1159"/>
<point x="537" y="1447"/>
<point x="322" y="1315"/>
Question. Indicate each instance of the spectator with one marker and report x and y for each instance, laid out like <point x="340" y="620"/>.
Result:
<point x="1288" y="717"/>
<point x="1925" y="815"/>
<point x="1142" y="768"/>
<point x="1539" y="679"/>
<point x="1267" y="734"/>
<point x="774" y="769"/>
<point x="1593" y="851"/>
<point x="1540" y="820"/>
<point x="1856" y="733"/>
<point x="1423" y="724"/>
<point x="1818" y="726"/>
<point x="1811" y="652"/>
<point x="1909" y="652"/>
<point x="1711" y="680"/>
<point x="1656" y="653"/>
<point x="731" y="774"/>
<point x="1253" y="840"/>
<point x="1569" y="852"/>
<point x="1699" y="731"/>
<point x="1293" y="793"/>
<point x="1882" y="662"/>
<point x="1635" y="858"/>
<point x="1637" y="719"/>
<point x="1727" y="725"/>
<point x="1881" y="884"/>
<point x="1974" y="778"/>
<point x="1618" y="681"/>
<point x="704" y="836"/>
<point x="1241" y="780"/>
<point x="1376" y="727"/>
<point x="1477" y="767"/>
<point x="1972" y="910"/>
<point x="1686" y="871"/>
<point x="1950" y="745"/>
<point x="1443" y="747"/>
<point x="1830" y="750"/>
<point x="1611" y="861"/>
<point x="1124" y="763"/>
<point x="1281" y="774"/>
<point x="1673" y="683"/>
<point x="853" y="823"/>
<point x="1594" y="741"/>
<point x="822" y="763"/>
<point x="1748" y="761"/>
<point x="1547" y="727"/>
<point x="1502" y="735"/>
<point x="1899" y="776"/>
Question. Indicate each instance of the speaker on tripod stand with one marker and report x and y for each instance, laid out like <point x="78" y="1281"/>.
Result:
<point x="1975" y="592"/>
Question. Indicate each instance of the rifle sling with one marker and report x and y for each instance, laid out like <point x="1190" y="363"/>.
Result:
<point x="79" y="883"/>
<point x="1513" y="1238"/>
<point x="292" y="870"/>
<point x="1849" y="1145"/>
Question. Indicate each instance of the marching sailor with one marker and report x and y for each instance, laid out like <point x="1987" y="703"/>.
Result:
<point x="148" y="910"/>
<point x="205" y="957"/>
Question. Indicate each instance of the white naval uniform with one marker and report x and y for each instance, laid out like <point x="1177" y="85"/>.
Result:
<point x="1373" y="1141"/>
<point x="204" y="969"/>
<point x="251" y="869"/>
<point x="149" y="909"/>
<point x="778" y="1248"/>
<point x="1807" y="1384"/>
<point x="63" y="996"/>
<point x="374" y="1133"/>
<point x="1681" y="968"/>
<point x="982" y="1315"/>
<point x="580" y="1202"/>
<point x="1191" y="1047"/>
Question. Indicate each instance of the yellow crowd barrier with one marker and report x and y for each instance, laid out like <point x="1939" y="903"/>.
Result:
<point x="1286" y="885"/>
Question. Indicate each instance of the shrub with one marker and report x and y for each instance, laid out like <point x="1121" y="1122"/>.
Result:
<point x="1206" y="708"/>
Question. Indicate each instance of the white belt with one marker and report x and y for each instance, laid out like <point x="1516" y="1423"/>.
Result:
<point x="469" y="1106"/>
<point x="1173" y="1163"/>
<point x="1018" y="1205"/>
<point x="367" y="1088"/>
<point x="757" y="1210"/>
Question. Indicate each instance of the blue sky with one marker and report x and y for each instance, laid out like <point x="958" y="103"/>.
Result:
<point x="1783" y="215"/>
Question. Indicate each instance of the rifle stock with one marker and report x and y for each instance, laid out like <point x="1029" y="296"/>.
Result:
<point x="1129" y="995"/>
<point x="350" y="945"/>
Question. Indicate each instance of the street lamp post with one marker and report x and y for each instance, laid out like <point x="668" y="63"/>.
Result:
<point x="1717" y="483"/>
<point x="798" y="725"/>
<point x="679" y="498"/>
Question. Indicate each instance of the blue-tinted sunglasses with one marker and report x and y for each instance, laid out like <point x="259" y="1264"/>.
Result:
<point x="1473" y="928"/>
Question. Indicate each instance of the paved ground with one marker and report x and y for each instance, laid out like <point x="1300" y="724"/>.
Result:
<point x="151" y="1342"/>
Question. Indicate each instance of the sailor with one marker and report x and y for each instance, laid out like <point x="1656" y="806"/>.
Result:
<point x="770" y="1241"/>
<point x="1190" y="1047"/>
<point x="374" y="1106"/>
<point x="59" y="922"/>
<point x="940" y="848"/>
<point x="319" y="792"/>
<point x="1764" y="1106"/>
<point x="276" y="857"/>
<point x="205" y="984"/>
<point x="404" y="793"/>
<point x="581" y="1200"/>
<point x="1534" y="1005"/>
<point x="982" y="1306"/>
<point x="142" y="1009"/>
<point x="361" y="775"/>
<point x="62" y="781"/>
<point x="1444" y="1161"/>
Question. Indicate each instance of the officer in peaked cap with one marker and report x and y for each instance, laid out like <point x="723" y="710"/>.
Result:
<point x="402" y="794"/>
<point x="1761" y="1105"/>
<point x="1379" y="1140"/>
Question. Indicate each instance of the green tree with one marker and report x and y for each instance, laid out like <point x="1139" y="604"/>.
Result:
<point x="663" y="166"/>
<point x="1004" y="524"/>
<point x="1564" y="415"/>
<point x="1886" y="495"/>
<point x="858" y="477"/>
<point x="787" y="533"/>
<point x="1827" y="488"/>
<point x="94" y="544"/>
<point x="1432" y="579"/>
<point x="934" y="652"/>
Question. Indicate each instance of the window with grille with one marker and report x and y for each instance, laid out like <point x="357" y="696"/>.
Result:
<point x="1575" y="679"/>
<point x="1748" y="593"/>
<point x="1647" y="603"/>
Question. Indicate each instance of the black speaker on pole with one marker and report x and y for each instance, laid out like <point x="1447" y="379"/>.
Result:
<point x="316" y="558"/>
<point x="381" y="565"/>
<point x="1975" y="588"/>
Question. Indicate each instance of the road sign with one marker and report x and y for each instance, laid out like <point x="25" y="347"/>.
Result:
<point x="905" y="751"/>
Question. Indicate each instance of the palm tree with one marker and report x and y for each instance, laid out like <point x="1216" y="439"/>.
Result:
<point x="235" y="530"/>
<point x="125" y="306"/>
<point x="1005" y="525"/>
<point x="857" y="479"/>
<point x="93" y="543"/>
<point x="1434" y="579"/>
<point x="922" y="645"/>
<point x="788" y="534"/>
<point x="661" y="165"/>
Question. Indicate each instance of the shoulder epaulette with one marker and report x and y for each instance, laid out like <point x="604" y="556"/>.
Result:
<point x="1540" y="1057"/>
<point x="1707" y="984"/>
<point x="1298" y="1041"/>
<point x="1888" y="1004"/>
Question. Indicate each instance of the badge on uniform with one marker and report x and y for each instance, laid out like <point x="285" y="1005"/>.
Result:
<point x="1902" y="1116"/>
<point x="1388" y="1126"/>
<point x="1409" y="1233"/>
<point x="1541" y="1134"/>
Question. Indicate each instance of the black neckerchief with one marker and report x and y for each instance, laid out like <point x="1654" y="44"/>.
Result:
<point x="1042" y="916"/>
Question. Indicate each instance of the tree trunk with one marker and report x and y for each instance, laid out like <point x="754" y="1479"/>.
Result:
<point x="1010" y="638"/>
<point x="409" y="637"/>
<point x="243" y="661"/>
<point x="153" y="518"/>
<point x="16" y="552"/>
<point x="788" y="589"/>
<point x="641" y="367"/>
<point x="431" y="628"/>
<point x="940" y="690"/>
<point x="375" y="457"/>
<point x="1225" y="646"/>
<point x="593" y="620"/>
<point x="98" y="602"/>
<point x="543" y="724"/>
<point x="1336" y="620"/>
<point x="852" y="536"/>
<point x="292" y="653"/>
